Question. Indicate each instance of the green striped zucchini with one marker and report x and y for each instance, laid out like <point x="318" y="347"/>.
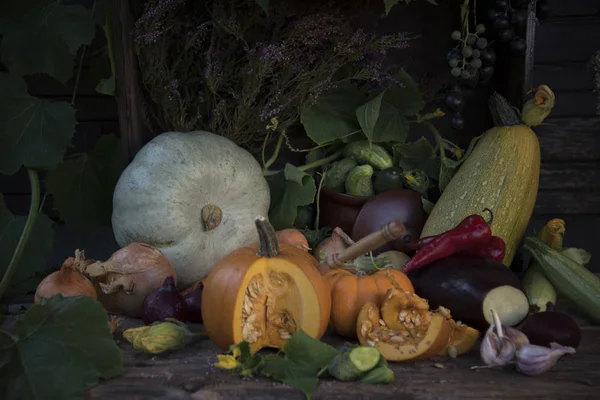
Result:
<point x="572" y="280"/>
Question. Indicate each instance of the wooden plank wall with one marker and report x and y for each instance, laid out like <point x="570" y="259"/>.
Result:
<point x="570" y="142"/>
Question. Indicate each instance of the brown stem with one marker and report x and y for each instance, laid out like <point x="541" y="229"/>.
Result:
<point x="211" y="216"/>
<point x="503" y="113"/>
<point x="269" y="245"/>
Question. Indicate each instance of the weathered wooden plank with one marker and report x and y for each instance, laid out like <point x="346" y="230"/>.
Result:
<point x="567" y="202"/>
<point x="568" y="176"/>
<point x="562" y="8"/>
<point x="575" y="104"/>
<point x="188" y="374"/>
<point x="569" y="76"/>
<point x="572" y="39"/>
<point x="570" y="139"/>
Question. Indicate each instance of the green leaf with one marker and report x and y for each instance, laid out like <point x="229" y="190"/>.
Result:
<point x="389" y="4"/>
<point x="405" y="96"/>
<point x="391" y="126"/>
<point x="308" y="351"/>
<point x="334" y="114"/>
<point x="82" y="186"/>
<point x="36" y="251"/>
<point x="298" y="376"/>
<point x="33" y="132"/>
<point x="290" y="189"/>
<point x="64" y="346"/>
<point x="417" y="155"/>
<point x="42" y="36"/>
<point x="264" y="4"/>
<point x="368" y="114"/>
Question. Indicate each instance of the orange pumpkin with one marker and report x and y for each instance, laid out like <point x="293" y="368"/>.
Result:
<point x="403" y="328"/>
<point x="294" y="237"/>
<point x="264" y="293"/>
<point x="351" y="289"/>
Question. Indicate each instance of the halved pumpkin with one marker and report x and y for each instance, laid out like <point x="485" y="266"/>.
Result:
<point x="404" y="329"/>
<point x="462" y="339"/>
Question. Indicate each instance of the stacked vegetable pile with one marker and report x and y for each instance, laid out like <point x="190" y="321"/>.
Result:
<point x="405" y="284"/>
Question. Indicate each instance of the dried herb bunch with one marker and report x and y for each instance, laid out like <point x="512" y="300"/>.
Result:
<point x="226" y="67"/>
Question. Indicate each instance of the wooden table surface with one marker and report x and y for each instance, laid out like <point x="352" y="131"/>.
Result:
<point x="188" y="374"/>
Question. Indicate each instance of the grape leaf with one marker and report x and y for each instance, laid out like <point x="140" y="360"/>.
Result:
<point x="304" y="357"/>
<point x="82" y="185"/>
<point x="368" y="114"/>
<point x="42" y="36"/>
<point x="405" y="96"/>
<point x="417" y="155"/>
<point x="298" y="376"/>
<point x="33" y="132"/>
<point x="290" y="189"/>
<point x="389" y="4"/>
<point x="38" y="247"/>
<point x="382" y="121"/>
<point x="62" y="347"/>
<point x="107" y="85"/>
<point x="334" y="114"/>
<point x="306" y="350"/>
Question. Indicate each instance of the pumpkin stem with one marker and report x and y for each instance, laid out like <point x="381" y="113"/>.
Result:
<point x="211" y="216"/>
<point x="269" y="245"/>
<point x="503" y="113"/>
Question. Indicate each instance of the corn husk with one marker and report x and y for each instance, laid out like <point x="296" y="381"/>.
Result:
<point x="538" y="107"/>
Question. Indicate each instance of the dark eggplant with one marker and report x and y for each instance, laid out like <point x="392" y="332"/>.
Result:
<point x="470" y="287"/>
<point x="402" y="205"/>
<point x="164" y="302"/>
<point x="550" y="326"/>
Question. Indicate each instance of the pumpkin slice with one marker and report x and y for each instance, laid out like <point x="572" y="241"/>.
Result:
<point x="403" y="329"/>
<point x="462" y="339"/>
<point x="264" y="293"/>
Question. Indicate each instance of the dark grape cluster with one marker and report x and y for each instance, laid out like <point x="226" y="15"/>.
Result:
<point x="471" y="62"/>
<point x="507" y="19"/>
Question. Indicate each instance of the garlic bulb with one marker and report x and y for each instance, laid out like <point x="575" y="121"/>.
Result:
<point x="535" y="360"/>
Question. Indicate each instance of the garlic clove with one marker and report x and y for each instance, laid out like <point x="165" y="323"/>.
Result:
<point x="535" y="360"/>
<point x="518" y="338"/>
<point x="496" y="349"/>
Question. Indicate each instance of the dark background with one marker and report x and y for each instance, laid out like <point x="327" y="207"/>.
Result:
<point x="570" y="139"/>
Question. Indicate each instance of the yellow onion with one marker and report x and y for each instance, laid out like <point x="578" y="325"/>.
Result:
<point x="124" y="280"/>
<point x="67" y="281"/>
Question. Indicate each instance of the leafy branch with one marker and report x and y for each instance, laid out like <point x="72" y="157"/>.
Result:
<point x="45" y="38"/>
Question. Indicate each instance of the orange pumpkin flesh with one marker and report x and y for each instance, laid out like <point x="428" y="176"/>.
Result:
<point x="350" y="291"/>
<point x="420" y="333"/>
<point x="462" y="339"/>
<point x="264" y="293"/>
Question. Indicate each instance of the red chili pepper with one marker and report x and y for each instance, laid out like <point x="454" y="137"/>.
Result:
<point x="494" y="249"/>
<point x="473" y="231"/>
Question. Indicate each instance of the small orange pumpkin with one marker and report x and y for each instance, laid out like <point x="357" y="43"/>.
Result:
<point x="294" y="237"/>
<point x="352" y="288"/>
<point x="264" y="293"/>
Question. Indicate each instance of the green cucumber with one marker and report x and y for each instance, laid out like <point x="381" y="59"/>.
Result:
<point x="368" y="153"/>
<point x="305" y="217"/>
<point x="388" y="179"/>
<point x="352" y="365"/>
<point x="378" y="375"/>
<point x="335" y="178"/>
<point x="358" y="181"/>
<point x="572" y="280"/>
